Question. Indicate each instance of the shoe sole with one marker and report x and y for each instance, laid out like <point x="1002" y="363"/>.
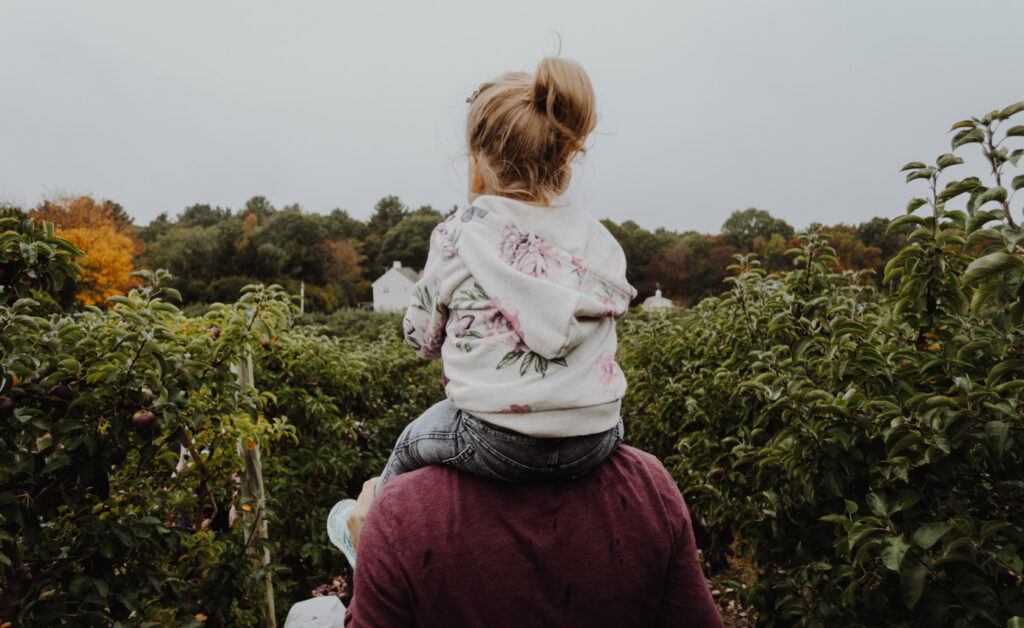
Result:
<point x="337" y="529"/>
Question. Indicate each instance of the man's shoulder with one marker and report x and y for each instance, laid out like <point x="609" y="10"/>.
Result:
<point x="639" y="457"/>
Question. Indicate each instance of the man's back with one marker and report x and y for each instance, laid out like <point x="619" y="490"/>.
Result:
<point x="614" y="548"/>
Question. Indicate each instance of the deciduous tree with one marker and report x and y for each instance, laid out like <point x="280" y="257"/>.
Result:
<point x="104" y="233"/>
<point x="742" y="227"/>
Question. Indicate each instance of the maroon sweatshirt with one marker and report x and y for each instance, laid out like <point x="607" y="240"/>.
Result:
<point x="614" y="548"/>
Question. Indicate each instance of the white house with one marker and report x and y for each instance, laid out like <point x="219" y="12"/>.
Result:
<point x="657" y="302"/>
<point x="391" y="291"/>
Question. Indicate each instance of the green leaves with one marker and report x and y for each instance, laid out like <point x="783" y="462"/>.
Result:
<point x="929" y="534"/>
<point x="924" y="173"/>
<point x="989" y="265"/>
<point x="893" y="551"/>
<point x="877" y="504"/>
<point x="912" y="581"/>
<point x="947" y="160"/>
<point x="909" y="219"/>
<point x="1011" y="109"/>
<point x="915" y="203"/>
<point x="956" y="188"/>
<point x="967" y="136"/>
<point x="34" y="258"/>
<point x="991" y="194"/>
<point x="998" y="431"/>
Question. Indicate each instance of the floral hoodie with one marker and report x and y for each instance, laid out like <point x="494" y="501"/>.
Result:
<point x="520" y="302"/>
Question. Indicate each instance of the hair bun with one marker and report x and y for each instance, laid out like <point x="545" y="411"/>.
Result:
<point x="562" y="92"/>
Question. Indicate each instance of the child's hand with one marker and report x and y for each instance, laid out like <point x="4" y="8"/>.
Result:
<point x="358" y="514"/>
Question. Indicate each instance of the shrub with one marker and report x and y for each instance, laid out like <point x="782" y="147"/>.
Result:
<point x="864" y="450"/>
<point x="347" y="401"/>
<point x="356" y="323"/>
<point x="102" y="521"/>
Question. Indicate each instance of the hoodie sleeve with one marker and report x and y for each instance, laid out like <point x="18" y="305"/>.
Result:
<point x="427" y="316"/>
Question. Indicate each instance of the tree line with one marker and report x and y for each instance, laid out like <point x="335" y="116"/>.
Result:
<point x="213" y="252"/>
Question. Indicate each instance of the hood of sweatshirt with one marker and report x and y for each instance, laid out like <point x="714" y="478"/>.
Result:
<point x="520" y="303"/>
<point x="559" y="271"/>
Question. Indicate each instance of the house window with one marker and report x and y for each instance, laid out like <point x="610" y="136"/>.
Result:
<point x="383" y="290"/>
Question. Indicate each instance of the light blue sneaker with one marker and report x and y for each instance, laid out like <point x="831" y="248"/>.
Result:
<point x="337" y="529"/>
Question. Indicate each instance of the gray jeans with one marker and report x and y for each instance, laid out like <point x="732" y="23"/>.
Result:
<point x="448" y="436"/>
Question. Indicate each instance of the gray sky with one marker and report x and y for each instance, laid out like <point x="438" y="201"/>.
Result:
<point x="804" y="108"/>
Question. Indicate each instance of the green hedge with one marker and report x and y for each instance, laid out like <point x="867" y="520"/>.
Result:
<point x="97" y="523"/>
<point x="864" y="451"/>
<point x="870" y="481"/>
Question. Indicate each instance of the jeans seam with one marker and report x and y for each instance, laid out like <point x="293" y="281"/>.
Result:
<point x="479" y="425"/>
<point x="460" y="457"/>
<point x="483" y="444"/>
<point x="430" y="436"/>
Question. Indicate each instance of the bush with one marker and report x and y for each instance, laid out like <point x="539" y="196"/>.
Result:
<point x="356" y="323"/>
<point x="347" y="401"/>
<point x="864" y="450"/>
<point x="95" y="409"/>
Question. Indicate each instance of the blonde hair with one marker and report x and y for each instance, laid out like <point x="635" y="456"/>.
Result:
<point x="524" y="130"/>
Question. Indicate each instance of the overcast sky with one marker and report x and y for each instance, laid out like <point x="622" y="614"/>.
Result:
<point x="804" y="108"/>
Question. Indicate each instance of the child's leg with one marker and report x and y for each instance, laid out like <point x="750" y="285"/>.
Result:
<point x="430" y="439"/>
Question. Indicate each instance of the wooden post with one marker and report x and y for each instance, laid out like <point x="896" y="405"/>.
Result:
<point x="302" y="298"/>
<point x="254" y="502"/>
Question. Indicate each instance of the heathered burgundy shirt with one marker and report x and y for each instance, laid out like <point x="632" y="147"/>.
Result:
<point x="614" y="548"/>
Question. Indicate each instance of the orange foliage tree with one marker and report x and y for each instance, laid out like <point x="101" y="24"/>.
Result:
<point x="103" y="231"/>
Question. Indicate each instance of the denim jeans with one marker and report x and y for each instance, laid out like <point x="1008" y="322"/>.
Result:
<point x="448" y="436"/>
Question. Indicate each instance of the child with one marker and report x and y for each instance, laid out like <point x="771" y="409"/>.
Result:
<point x="519" y="299"/>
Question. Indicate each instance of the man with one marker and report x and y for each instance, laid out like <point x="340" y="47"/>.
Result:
<point x="445" y="548"/>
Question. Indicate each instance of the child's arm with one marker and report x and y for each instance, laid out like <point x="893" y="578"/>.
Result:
<point x="427" y="315"/>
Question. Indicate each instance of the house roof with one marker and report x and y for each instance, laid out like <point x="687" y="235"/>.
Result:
<point x="404" y="271"/>
<point x="657" y="301"/>
<point x="410" y="273"/>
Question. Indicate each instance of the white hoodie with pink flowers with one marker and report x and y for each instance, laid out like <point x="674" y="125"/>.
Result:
<point x="520" y="302"/>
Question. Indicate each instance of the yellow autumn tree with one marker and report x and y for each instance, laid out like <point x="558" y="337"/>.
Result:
<point x="103" y="231"/>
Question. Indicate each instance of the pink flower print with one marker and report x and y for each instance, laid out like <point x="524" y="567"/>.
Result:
<point x="433" y="334"/>
<point x="611" y="308"/>
<point x="608" y="372"/>
<point x="445" y="238"/>
<point x="511" y="316"/>
<point x="515" y="408"/>
<point x="499" y="321"/>
<point x="578" y="266"/>
<point x="528" y="252"/>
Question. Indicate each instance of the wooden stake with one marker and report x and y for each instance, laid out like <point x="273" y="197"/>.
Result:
<point x="254" y="501"/>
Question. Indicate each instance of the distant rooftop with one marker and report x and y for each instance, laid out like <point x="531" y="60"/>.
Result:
<point x="409" y="273"/>
<point x="657" y="302"/>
